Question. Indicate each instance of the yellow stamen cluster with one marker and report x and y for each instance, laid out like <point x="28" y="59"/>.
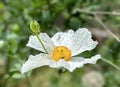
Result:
<point x="61" y="52"/>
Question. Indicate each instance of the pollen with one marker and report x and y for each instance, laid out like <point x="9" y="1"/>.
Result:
<point x="61" y="52"/>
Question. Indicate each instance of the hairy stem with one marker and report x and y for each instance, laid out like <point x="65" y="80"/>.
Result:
<point x="112" y="64"/>
<point x="41" y="43"/>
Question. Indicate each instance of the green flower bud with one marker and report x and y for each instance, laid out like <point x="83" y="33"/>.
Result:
<point x="35" y="27"/>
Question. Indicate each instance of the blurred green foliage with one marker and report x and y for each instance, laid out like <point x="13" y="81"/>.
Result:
<point x="54" y="16"/>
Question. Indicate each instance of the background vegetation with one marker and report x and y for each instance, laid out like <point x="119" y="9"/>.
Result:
<point x="101" y="17"/>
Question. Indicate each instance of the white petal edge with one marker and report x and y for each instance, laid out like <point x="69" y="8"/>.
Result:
<point x="63" y="39"/>
<point x="76" y="62"/>
<point x="46" y="40"/>
<point x="35" y="62"/>
<point x="82" y="41"/>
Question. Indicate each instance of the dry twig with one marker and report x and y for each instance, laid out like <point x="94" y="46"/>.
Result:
<point x="104" y="26"/>
<point x="99" y="21"/>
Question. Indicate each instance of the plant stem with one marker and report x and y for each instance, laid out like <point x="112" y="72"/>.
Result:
<point x="100" y="21"/>
<point x="104" y="26"/>
<point x="98" y="12"/>
<point x="112" y="64"/>
<point x="41" y="43"/>
<point x="28" y="80"/>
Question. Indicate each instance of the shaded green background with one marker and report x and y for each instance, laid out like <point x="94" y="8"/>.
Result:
<point x="54" y="16"/>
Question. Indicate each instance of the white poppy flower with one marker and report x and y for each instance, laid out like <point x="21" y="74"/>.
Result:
<point x="62" y="49"/>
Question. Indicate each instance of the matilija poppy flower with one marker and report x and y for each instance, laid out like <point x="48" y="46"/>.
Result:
<point x="62" y="50"/>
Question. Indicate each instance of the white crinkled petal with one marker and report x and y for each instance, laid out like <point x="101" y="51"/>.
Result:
<point x="35" y="62"/>
<point x="77" y="42"/>
<point x="46" y="40"/>
<point x="82" y="41"/>
<point x="63" y="39"/>
<point x="76" y="62"/>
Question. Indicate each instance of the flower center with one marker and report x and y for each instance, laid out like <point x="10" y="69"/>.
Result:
<point x="61" y="52"/>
